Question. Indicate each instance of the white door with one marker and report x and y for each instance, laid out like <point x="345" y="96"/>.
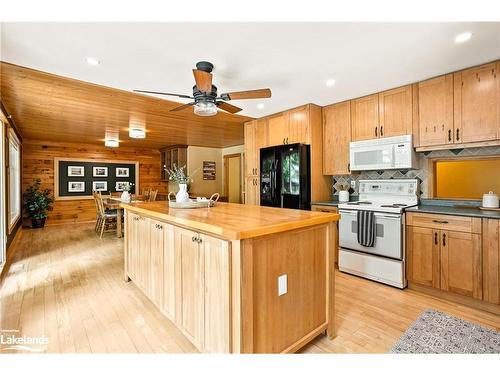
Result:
<point x="3" y="226"/>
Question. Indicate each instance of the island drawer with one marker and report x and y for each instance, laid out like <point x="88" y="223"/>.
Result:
<point x="444" y="222"/>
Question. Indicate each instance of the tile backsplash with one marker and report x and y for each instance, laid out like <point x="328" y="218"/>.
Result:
<point x="422" y="174"/>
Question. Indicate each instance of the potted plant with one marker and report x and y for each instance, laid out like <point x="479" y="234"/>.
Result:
<point x="36" y="203"/>
<point x="178" y="175"/>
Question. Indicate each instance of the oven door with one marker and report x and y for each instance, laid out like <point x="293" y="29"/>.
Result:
<point x="388" y="239"/>
<point x="375" y="157"/>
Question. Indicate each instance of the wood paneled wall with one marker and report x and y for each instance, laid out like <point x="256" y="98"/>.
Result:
<point x="38" y="162"/>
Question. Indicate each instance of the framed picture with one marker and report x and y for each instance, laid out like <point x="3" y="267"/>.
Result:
<point x="100" y="171"/>
<point x="76" y="186"/>
<point x="209" y="170"/>
<point x="122" y="172"/>
<point x="76" y="171"/>
<point x="120" y="185"/>
<point x="99" y="185"/>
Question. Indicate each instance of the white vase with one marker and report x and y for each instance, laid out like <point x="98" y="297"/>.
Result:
<point x="182" y="195"/>
<point x="125" y="197"/>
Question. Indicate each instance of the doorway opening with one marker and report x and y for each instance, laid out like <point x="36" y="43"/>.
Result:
<point x="232" y="177"/>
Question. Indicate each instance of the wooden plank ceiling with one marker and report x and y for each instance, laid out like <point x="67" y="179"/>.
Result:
<point x="55" y="108"/>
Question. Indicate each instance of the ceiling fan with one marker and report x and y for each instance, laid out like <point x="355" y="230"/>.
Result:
<point x="205" y="96"/>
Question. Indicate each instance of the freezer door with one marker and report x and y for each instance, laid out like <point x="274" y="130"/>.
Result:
<point x="268" y="183"/>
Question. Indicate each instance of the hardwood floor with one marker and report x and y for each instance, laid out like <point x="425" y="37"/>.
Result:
<point x="65" y="283"/>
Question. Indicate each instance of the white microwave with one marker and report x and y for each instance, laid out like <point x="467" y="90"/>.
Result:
<point x="383" y="153"/>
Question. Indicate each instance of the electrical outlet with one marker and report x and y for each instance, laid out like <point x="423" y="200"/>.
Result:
<point x="282" y="285"/>
<point x="353" y="184"/>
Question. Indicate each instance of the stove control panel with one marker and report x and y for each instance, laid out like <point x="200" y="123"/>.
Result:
<point x="400" y="190"/>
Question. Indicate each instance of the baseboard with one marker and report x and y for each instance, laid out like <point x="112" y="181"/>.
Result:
<point x="452" y="297"/>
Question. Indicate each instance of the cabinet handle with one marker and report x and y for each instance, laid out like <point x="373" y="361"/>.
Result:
<point x="284" y="141"/>
<point x="200" y="240"/>
<point x="349" y="167"/>
<point x="381" y="131"/>
<point x="444" y="239"/>
<point x="435" y="238"/>
<point x="287" y="140"/>
<point x="440" y="221"/>
<point x="376" y="131"/>
<point x="193" y="239"/>
<point x="458" y="134"/>
<point x="449" y="135"/>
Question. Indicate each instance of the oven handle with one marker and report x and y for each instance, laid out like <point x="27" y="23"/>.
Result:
<point x="377" y="214"/>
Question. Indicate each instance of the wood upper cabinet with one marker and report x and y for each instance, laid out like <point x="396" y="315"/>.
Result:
<point x="251" y="157"/>
<point x="298" y="126"/>
<point x="395" y="112"/>
<point x="336" y="138"/>
<point x="476" y="101"/>
<point x="423" y="256"/>
<point x="365" y="118"/>
<point x="386" y="114"/>
<point x="277" y="126"/>
<point x="189" y="285"/>
<point x="461" y="263"/>
<point x="435" y="111"/>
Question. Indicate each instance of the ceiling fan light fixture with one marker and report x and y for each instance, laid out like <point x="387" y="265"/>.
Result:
<point x="137" y="132"/>
<point x="205" y="109"/>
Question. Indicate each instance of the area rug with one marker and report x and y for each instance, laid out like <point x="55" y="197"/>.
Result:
<point x="437" y="332"/>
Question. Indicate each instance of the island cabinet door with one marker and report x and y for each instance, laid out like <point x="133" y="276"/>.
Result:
<point x="217" y="290"/>
<point x="189" y="285"/>
<point x="157" y="238"/>
<point x="144" y="255"/>
<point x="168" y="298"/>
<point x="132" y="245"/>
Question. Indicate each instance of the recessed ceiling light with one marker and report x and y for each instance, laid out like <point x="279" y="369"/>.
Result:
<point x="137" y="132"/>
<point x="111" y="143"/>
<point x="260" y="106"/>
<point x="92" y="61"/>
<point x="330" y="82"/>
<point x="463" y="37"/>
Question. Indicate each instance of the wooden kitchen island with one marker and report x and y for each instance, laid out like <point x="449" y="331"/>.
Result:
<point x="214" y="273"/>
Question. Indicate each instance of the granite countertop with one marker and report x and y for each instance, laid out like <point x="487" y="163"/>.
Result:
<point x="458" y="208"/>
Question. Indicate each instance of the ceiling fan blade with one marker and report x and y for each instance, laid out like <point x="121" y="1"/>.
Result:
<point x="228" y="107"/>
<point x="203" y="80"/>
<point x="249" y="94"/>
<point x="181" y="107"/>
<point x="164" y="93"/>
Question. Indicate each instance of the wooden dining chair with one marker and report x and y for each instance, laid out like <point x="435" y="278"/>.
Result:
<point x="96" y="196"/>
<point x="152" y="195"/>
<point x="107" y="221"/>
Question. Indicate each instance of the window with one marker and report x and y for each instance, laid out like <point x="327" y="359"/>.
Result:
<point x="466" y="179"/>
<point x="14" y="179"/>
<point x="3" y="228"/>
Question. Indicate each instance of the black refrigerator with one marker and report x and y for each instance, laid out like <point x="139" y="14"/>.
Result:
<point x="285" y="178"/>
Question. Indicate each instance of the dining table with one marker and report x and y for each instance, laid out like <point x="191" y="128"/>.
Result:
<point x="113" y="203"/>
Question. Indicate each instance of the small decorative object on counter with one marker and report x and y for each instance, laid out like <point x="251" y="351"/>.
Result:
<point x="199" y="202"/>
<point x="178" y="175"/>
<point x="125" y="197"/>
<point x="490" y="200"/>
<point x="344" y="193"/>
<point x="37" y="202"/>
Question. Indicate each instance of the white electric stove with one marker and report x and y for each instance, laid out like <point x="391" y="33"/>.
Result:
<point x="385" y="260"/>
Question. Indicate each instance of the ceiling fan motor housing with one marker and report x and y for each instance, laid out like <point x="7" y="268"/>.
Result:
<point x="201" y="96"/>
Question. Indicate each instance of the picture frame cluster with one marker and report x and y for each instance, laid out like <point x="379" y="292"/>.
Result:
<point x="97" y="172"/>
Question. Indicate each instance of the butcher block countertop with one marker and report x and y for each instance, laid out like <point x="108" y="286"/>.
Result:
<point x="233" y="221"/>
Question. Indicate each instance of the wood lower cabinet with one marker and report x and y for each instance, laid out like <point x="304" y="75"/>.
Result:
<point x="491" y="260"/>
<point x="449" y="260"/>
<point x="189" y="285"/>
<point x="476" y="102"/>
<point x="423" y="253"/>
<point x="435" y="111"/>
<point x="252" y="190"/>
<point x="186" y="274"/>
<point x="336" y="138"/>
<point x="461" y="263"/>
